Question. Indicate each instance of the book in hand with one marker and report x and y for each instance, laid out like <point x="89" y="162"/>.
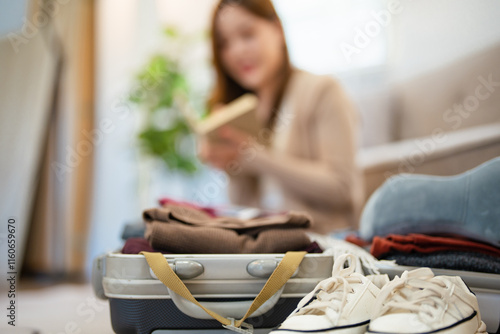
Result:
<point x="239" y="114"/>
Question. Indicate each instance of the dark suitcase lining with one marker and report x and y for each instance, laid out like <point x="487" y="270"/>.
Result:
<point x="143" y="316"/>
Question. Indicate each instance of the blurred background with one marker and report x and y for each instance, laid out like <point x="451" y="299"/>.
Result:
<point x="91" y="134"/>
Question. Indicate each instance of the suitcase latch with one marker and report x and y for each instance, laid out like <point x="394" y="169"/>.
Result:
<point x="185" y="269"/>
<point x="264" y="268"/>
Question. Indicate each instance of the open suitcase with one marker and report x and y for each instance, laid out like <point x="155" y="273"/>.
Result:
<point x="224" y="283"/>
<point x="227" y="284"/>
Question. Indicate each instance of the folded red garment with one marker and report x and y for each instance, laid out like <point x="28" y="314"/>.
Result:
<point x="427" y="244"/>
<point x="137" y="245"/>
<point x="354" y="239"/>
<point x="165" y="201"/>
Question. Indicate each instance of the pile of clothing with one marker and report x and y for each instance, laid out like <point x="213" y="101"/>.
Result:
<point x="448" y="222"/>
<point x="180" y="228"/>
<point x="435" y="251"/>
<point x="446" y="252"/>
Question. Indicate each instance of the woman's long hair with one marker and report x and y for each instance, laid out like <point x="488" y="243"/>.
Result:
<point x="226" y="89"/>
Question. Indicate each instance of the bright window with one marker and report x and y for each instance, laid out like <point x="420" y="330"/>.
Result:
<point x="332" y="36"/>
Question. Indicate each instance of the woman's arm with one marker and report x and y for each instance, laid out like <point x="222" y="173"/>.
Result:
<point x="243" y="189"/>
<point x="328" y="180"/>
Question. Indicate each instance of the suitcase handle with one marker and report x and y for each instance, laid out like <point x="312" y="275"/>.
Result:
<point x="228" y="309"/>
<point x="285" y="269"/>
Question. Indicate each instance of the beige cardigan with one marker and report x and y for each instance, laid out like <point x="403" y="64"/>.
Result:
<point x="311" y="157"/>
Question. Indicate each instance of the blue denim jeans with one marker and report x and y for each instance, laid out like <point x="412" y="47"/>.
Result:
<point x="466" y="204"/>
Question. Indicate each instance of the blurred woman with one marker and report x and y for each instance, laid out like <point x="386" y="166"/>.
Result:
<point x="304" y="159"/>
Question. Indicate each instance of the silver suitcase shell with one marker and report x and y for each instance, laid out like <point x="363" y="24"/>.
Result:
<point x="226" y="283"/>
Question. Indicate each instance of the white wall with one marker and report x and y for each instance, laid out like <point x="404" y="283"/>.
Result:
<point x="429" y="34"/>
<point x="11" y="15"/>
<point x="426" y="35"/>
<point x="125" y="30"/>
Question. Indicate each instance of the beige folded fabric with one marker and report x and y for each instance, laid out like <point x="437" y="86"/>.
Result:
<point x="179" y="238"/>
<point x="180" y="229"/>
<point x="191" y="216"/>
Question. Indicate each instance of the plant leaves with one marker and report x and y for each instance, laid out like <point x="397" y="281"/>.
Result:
<point x="156" y="88"/>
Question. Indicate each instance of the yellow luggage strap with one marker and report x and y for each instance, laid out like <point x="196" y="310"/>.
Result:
<point x="285" y="269"/>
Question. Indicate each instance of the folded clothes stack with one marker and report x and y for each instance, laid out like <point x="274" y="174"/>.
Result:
<point x="446" y="252"/>
<point x="179" y="228"/>
<point x="457" y="219"/>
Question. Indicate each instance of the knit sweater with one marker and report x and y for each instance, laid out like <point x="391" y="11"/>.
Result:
<point x="311" y="157"/>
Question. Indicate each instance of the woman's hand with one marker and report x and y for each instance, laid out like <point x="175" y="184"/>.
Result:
<point x="224" y="150"/>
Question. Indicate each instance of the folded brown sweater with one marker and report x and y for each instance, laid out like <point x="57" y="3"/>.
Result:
<point x="193" y="216"/>
<point x="187" y="230"/>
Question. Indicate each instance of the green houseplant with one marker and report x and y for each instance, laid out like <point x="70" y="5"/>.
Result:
<point x="161" y="90"/>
